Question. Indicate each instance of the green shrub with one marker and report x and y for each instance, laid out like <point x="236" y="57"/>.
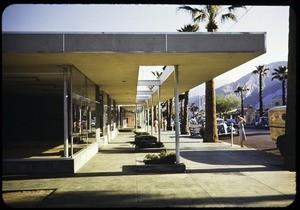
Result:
<point x="161" y="158"/>
<point x="145" y="138"/>
<point x="137" y="133"/>
<point x="146" y="141"/>
<point x="126" y="130"/>
<point x="92" y="134"/>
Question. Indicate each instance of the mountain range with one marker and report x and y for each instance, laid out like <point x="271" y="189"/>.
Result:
<point x="271" y="87"/>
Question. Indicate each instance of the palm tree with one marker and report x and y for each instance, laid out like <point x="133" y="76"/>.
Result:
<point x="184" y="125"/>
<point x="170" y="114"/>
<point x="209" y="14"/>
<point x="189" y="28"/>
<point x="262" y="72"/>
<point x="281" y="74"/>
<point x="193" y="109"/>
<point x="241" y="89"/>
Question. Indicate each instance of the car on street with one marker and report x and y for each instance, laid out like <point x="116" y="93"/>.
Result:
<point x="233" y="121"/>
<point x="223" y="128"/>
<point x="263" y="122"/>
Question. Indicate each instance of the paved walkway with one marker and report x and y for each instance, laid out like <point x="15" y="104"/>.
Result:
<point x="217" y="175"/>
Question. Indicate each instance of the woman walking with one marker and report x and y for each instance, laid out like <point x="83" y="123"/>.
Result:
<point x="242" y="134"/>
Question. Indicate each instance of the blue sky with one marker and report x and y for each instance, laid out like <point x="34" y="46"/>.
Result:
<point x="152" y="18"/>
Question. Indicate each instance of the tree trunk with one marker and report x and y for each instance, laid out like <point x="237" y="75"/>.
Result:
<point x="169" y="118"/>
<point x="184" y="127"/>
<point x="242" y="104"/>
<point x="261" y="106"/>
<point x="211" y="132"/>
<point x="283" y="93"/>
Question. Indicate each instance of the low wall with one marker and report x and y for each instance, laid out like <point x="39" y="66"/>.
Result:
<point x="83" y="156"/>
<point x="25" y="166"/>
<point x="62" y="165"/>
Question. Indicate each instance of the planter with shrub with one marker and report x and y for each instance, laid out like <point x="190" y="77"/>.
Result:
<point x="138" y="133"/>
<point x="161" y="163"/>
<point x="146" y="141"/>
<point x="161" y="158"/>
<point x="126" y="130"/>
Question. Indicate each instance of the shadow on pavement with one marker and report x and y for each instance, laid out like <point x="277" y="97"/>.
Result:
<point x="236" y="157"/>
<point x="107" y="198"/>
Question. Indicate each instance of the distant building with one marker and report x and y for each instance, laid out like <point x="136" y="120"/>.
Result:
<point x="277" y="100"/>
<point x="271" y="100"/>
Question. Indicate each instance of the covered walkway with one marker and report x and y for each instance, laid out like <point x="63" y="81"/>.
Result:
<point x="70" y="87"/>
<point x="217" y="175"/>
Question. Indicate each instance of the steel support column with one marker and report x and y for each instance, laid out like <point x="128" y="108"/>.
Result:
<point x="152" y="115"/>
<point x="177" y="127"/>
<point x="65" y="100"/>
<point x="159" y="112"/>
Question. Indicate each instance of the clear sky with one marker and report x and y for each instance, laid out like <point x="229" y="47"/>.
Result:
<point x="152" y="18"/>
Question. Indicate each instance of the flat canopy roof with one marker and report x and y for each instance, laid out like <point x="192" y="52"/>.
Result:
<point x="112" y="60"/>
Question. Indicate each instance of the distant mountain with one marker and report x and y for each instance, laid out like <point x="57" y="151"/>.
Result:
<point x="251" y="81"/>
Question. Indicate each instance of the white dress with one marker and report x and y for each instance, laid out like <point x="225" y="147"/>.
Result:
<point x="242" y="133"/>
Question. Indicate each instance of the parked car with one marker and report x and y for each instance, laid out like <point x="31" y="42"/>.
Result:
<point x="263" y="122"/>
<point x="233" y="121"/>
<point x="223" y="129"/>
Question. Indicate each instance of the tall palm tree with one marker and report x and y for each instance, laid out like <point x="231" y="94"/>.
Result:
<point x="189" y="28"/>
<point x="193" y="109"/>
<point x="262" y="72"/>
<point x="170" y="114"/>
<point x="281" y="74"/>
<point x="184" y="125"/>
<point x="185" y="122"/>
<point x="209" y="14"/>
<point x="241" y="89"/>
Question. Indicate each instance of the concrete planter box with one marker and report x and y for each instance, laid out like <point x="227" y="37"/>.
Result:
<point x="161" y="149"/>
<point x="165" y="168"/>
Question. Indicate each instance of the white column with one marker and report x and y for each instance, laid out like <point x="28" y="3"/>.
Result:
<point x="147" y="124"/>
<point x="135" y="117"/>
<point x="71" y="110"/>
<point x="152" y="115"/>
<point x="65" y="95"/>
<point x="159" y="112"/>
<point x="176" y="94"/>
<point x="119" y="116"/>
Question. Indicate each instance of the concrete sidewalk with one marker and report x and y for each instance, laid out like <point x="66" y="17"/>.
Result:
<point x="217" y="175"/>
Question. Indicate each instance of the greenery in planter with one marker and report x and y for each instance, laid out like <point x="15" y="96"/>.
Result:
<point x="126" y="129"/>
<point x="137" y="133"/>
<point x="161" y="158"/>
<point x="92" y="134"/>
<point x="146" y="141"/>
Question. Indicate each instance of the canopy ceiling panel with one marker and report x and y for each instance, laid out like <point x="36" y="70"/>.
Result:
<point x="116" y="71"/>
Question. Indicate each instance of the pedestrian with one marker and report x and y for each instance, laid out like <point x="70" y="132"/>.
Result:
<point x="164" y="124"/>
<point x="242" y="134"/>
<point x="155" y="125"/>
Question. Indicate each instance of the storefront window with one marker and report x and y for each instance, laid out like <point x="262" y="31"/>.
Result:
<point x="84" y="109"/>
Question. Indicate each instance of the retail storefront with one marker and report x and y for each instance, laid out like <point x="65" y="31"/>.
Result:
<point x="59" y="108"/>
<point x="65" y="94"/>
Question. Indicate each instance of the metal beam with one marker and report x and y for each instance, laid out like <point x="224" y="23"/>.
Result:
<point x="148" y="82"/>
